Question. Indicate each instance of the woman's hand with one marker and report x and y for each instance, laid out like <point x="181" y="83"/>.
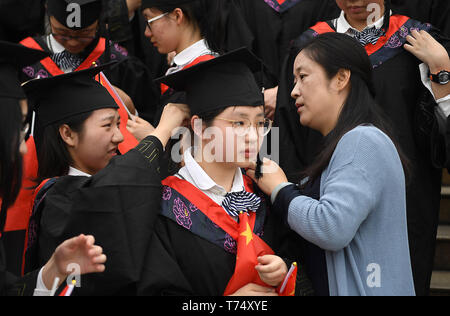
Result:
<point x="271" y="269"/>
<point x="140" y="128"/>
<point x="126" y="99"/>
<point x="252" y="289"/>
<point x="272" y="175"/>
<point x="175" y="115"/>
<point x="132" y="6"/>
<point x="270" y="102"/>
<point x="428" y="50"/>
<point x="81" y="251"/>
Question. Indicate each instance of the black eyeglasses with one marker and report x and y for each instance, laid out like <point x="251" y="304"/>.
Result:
<point x="82" y="39"/>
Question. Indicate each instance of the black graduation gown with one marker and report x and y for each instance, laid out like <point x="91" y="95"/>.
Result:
<point x="129" y="74"/>
<point x="271" y="31"/>
<point x="410" y="108"/>
<point x="21" y="18"/>
<point x="436" y="12"/>
<point x="118" y="206"/>
<point x="190" y="255"/>
<point x="3" y="34"/>
<point x="10" y="285"/>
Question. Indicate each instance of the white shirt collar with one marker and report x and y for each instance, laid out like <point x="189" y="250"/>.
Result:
<point x="198" y="177"/>
<point x="54" y="46"/>
<point x="342" y="25"/>
<point x="188" y="55"/>
<point x="77" y="173"/>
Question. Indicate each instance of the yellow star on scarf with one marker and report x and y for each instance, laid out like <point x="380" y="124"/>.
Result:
<point x="248" y="234"/>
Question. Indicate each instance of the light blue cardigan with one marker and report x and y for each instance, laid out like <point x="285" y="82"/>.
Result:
<point x="360" y="220"/>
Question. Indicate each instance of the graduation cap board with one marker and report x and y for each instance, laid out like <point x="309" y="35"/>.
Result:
<point x="162" y="3"/>
<point x="225" y="81"/>
<point x="60" y="97"/>
<point x="13" y="57"/>
<point x="75" y="14"/>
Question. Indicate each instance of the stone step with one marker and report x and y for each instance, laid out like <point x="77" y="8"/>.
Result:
<point x="444" y="213"/>
<point x="440" y="283"/>
<point x="445" y="178"/>
<point x="442" y="254"/>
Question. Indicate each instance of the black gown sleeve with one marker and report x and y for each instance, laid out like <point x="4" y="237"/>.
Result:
<point x="23" y="286"/>
<point x="11" y="285"/>
<point x="118" y="206"/>
<point x="432" y="128"/>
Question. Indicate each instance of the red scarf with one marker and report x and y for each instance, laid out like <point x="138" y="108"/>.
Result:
<point x="249" y="245"/>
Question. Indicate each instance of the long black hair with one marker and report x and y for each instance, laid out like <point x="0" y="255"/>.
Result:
<point x="10" y="157"/>
<point x="53" y="156"/>
<point x="206" y="15"/>
<point x="334" y="51"/>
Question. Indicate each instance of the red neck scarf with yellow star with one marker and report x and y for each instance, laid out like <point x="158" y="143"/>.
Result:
<point x="249" y="245"/>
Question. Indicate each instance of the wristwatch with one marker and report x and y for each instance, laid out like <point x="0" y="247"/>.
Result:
<point x="442" y="77"/>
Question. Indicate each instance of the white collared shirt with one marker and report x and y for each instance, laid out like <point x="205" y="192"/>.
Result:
<point x="56" y="48"/>
<point x="188" y="55"/>
<point x="193" y="173"/>
<point x="77" y="173"/>
<point x="342" y="26"/>
<point x="53" y="45"/>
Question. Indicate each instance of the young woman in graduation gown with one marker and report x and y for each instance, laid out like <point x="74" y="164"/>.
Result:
<point x="76" y="44"/>
<point x="84" y="189"/>
<point x="417" y="107"/>
<point x="207" y="207"/>
<point x="189" y="29"/>
<point x="267" y="28"/>
<point x="359" y="217"/>
<point x="13" y="129"/>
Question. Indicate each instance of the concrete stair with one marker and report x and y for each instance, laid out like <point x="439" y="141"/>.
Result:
<point x="440" y="281"/>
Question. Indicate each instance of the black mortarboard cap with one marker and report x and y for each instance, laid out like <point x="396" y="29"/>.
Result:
<point x="13" y="57"/>
<point x="61" y="97"/>
<point x="75" y="14"/>
<point x="227" y="80"/>
<point x="163" y="3"/>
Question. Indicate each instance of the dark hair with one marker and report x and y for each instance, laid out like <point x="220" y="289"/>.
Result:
<point x="334" y="51"/>
<point x="10" y="157"/>
<point x="53" y="156"/>
<point x="206" y="15"/>
<point x="387" y="16"/>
